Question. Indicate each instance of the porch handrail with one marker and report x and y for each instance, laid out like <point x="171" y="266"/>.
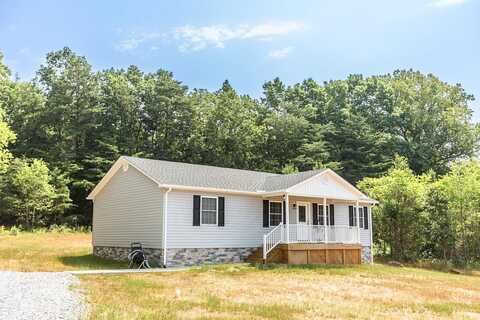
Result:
<point x="323" y="234"/>
<point x="271" y="240"/>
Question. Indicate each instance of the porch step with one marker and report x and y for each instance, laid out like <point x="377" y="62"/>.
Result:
<point x="275" y="256"/>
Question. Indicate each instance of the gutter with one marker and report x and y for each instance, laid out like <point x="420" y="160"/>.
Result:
<point x="165" y="206"/>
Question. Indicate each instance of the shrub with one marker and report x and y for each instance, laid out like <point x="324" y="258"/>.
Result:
<point x="14" y="231"/>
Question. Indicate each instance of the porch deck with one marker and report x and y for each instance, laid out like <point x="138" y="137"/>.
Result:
<point x="311" y="253"/>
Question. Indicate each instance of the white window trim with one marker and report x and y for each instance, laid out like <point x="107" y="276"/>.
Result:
<point x="355" y="218"/>
<point x="361" y="216"/>
<point x="307" y="212"/>
<point x="270" y="213"/>
<point x="216" y="211"/>
<point x="368" y="218"/>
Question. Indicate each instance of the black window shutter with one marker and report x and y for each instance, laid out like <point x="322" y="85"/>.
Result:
<point x="365" y="217"/>
<point x="284" y="210"/>
<point x="332" y="215"/>
<point x="266" y="207"/>
<point x="350" y="216"/>
<point x="196" y="210"/>
<point x="320" y="211"/>
<point x="360" y="217"/>
<point x="221" y="211"/>
<point x="315" y="213"/>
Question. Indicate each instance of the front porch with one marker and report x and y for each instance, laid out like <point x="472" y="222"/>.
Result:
<point x="315" y="230"/>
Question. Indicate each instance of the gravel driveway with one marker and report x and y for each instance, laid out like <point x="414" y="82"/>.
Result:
<point x="40" y="296"/>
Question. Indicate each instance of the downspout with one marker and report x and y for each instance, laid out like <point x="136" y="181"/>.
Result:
<point x="165" y="206"/>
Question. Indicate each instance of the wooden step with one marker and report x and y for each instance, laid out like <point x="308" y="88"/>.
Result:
<point x="276" y="255"/>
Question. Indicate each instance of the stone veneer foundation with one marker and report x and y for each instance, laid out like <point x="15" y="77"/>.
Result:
<point x="197" y="256"/>
<point x="179" y="257"/>
<point x="366" y="254"/>
<point x="121" y="254"/>
<point x="192" y="256"/>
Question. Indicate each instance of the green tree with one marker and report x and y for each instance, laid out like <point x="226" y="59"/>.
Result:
<point x="399" y="217"/>
<point x="461" y="188"/>
<point x="6" y="134"/>
<point x="440" y="231"/>
<point x="430" y="121"/>
<point x="227" y="130"/>
<point x="25" y="110"/>
<point x="71" y="120"/>
<point x="29" y="195"/>
<point x="121" y="115"/>
<point x="166" y="116"/>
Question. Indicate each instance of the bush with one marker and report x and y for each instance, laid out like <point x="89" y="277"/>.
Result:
<point x="67" y="229"/>
<point x="15" y="230"/>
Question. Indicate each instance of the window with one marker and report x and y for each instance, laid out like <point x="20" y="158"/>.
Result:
<point x="360" y="217"/>
<point x="302" y="214"/>
<point x="365" y="217"/>
<point x="320" y="215"/>
<point x="209" y="210"/>
<point x="352" y="220"/>
<point x="275" y="213"/>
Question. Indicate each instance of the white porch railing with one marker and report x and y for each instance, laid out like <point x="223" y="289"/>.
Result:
<point x="304" y="233"/>
<point x="316" y="234"/>
<point x="343" y="234"/>
<point x="272" y="239"/>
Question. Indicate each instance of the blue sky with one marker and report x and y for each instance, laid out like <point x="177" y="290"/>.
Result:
<point x="250" y="42"/>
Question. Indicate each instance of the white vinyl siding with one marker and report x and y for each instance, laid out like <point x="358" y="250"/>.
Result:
<point x="325" y="185"/>
<point x="365" y="233"/>
<point x="243" y="223"/>
<point x="128" y="209"/>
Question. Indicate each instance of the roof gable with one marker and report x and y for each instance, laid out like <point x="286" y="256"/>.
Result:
<point x="327" y="184"/>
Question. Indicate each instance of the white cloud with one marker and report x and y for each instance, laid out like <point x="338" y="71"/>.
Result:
<point x="198" y="38"/>
<point x="446" y="3"/>
<point x="192" y="38"/>
<point x="280" y="54"/>
<point x="136" y="40"/>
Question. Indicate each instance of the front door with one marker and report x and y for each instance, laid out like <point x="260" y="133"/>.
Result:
<point x="302" y="222"/>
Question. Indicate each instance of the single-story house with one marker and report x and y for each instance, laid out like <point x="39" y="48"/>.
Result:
<point x="188" y="214"/>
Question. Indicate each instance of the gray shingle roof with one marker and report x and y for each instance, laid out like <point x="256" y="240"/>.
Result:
<point x="194" y="175"/>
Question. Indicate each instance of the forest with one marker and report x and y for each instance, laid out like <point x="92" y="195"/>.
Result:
<point x="405" y="138"/>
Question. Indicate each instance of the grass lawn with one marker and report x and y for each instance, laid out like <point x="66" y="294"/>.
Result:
<point x="242" y="291"/>
<point x="50" y="252"/>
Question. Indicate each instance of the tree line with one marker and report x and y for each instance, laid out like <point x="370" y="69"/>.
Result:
<point x="425" y="216"/>
<point x="61" y="131"/>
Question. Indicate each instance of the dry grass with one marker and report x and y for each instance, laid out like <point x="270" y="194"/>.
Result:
<point x="49" y="252"/>
<point x="247" y="292"/>
<point x="242" y="291"/>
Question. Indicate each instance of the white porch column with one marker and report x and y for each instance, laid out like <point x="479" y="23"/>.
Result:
<point x="287" y="217"/>
<point x="357" y="217"/>
<point x="325" y="219"/>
